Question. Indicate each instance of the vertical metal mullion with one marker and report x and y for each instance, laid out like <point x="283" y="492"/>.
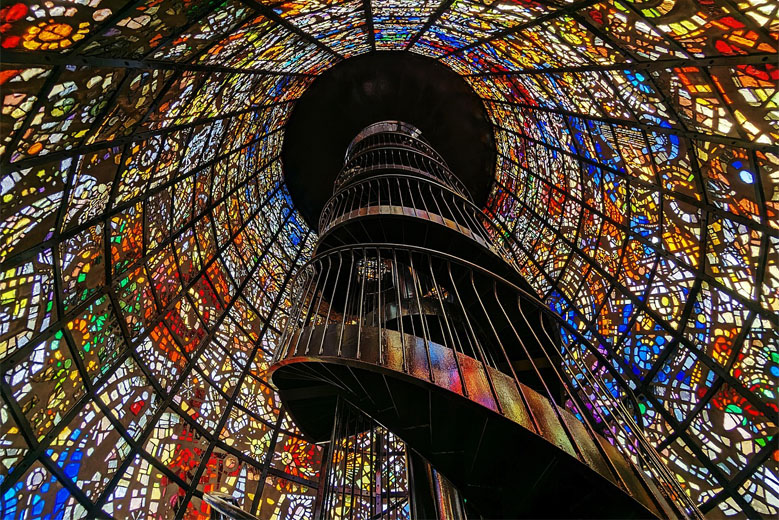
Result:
<point x="473" y="215"/>
<point x="373" y="485"/>
<point x="473" y="226"/>
<point x="340" y="439"/>
<point x="399" y="311"/>
<point x="379" y="307"/>
<point x="343" y="197"/>
<point x="389" y="191"/>
<point x="484" y="352"/>
<point x="319" y="303"/>
<point x="456" y="335"/>
<point x="463" y="222"/>
<point x="555" y="407"/>
<point x="357" y="201"/>
<point x="327" y="220"/>
<point x="286" y="338"/>
<point x="400" y="192"/>
<point x="488" y="352"/>
<point x="335" y="493"/>
<point x="434" y="199"/>
<point x="353" y="436"/>
<point x="407" y="269"/>
<point x="387" y="469"/>
<point x="309" y="320"/>
<point x="324" y="475"/>
<point x="478" y="346"/>
<point x="422" y="318"/>
<point x="352" y="272"/>
<point x="437" y="287"/>
<point x="330" y="303"/>
<point x="410" y="193"/>
<point x="360" y="315"/>
<point x="473" y="341"/>
<point x="452" y="214"/>
<point x="348" y="201"/>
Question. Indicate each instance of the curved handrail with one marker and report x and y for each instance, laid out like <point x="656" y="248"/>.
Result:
<point x="439" y="168"/>
<point x="375" y="137"/>
<point x="225" y="509"/>
<point x="365" y="148"/>
<point x="375" y="185"/>
<point x="394" y="126"/>
<point x="405" y="170"/>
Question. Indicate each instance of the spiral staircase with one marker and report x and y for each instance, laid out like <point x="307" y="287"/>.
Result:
<point x="412" y="312"/>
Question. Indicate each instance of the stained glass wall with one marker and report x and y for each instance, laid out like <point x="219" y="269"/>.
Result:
<point x="147" y="238"/>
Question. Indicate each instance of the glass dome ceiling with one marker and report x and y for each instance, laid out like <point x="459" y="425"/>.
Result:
<point x="147" y="237"/>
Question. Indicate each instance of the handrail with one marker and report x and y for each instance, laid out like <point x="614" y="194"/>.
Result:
<point x="376" y="186"/>
<point x="370" y="136"/>
<point x="437" y="167"/>
<point x="225" y="510"/>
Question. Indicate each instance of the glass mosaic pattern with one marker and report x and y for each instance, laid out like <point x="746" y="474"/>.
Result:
<point x="147" y="237"/>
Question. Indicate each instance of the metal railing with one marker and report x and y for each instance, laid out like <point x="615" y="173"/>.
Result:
<point x="356" y="295"/>
<point x="224" y="507"/>
<point x="383" y="135"/>
<point x="384" y="158"/>
<point x="366" y="472"/>
<point x="407" y="195"/>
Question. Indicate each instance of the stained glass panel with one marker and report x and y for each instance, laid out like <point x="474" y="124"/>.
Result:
<point x="147" y="237"/>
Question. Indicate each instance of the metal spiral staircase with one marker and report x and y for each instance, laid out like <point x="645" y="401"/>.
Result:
<point x="412" y="312"/>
